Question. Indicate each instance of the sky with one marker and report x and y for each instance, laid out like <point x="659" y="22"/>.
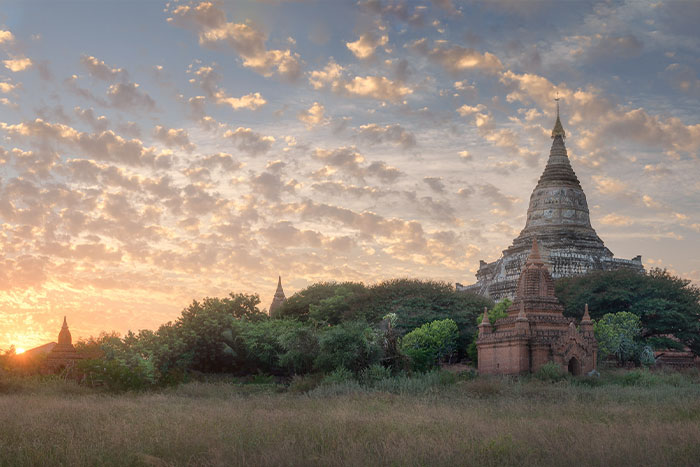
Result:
<point x="153" y="153"/>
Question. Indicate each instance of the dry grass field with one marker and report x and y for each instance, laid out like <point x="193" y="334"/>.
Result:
<point x="617" y="420"/>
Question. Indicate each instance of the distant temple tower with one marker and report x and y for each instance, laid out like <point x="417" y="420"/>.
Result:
<point x="278" y="299"/>
<point x="558" y="217"/>
<point x="63" y="354"/>
<point x="535" y="331"/>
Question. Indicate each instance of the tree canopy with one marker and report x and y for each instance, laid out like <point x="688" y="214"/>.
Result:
<point x="667" y="306"/>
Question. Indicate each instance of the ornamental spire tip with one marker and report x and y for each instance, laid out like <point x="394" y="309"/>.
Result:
<point x="558" y="128"/>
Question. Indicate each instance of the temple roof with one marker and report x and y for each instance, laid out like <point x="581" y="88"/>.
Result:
<point x="279" y="297"/>
<point x="535" y="279"/>
<point x="64" y="337"/>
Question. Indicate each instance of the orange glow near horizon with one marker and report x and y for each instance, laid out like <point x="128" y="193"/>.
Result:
<point x="19" y="350"/>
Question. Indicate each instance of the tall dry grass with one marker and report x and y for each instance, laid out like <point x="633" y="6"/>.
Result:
<point x="490" y="422"/>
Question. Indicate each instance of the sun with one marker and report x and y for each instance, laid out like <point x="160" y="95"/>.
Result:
<point x="19" y="350"/>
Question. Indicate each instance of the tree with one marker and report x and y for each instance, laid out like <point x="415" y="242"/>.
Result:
<point x="298" y="306"/>
<point x="668" y="306"/>
<point x="353" y="345"/>
<point x="414" y="302"/>
<point x="430" y="343"/>
<point x="619" y="334"/>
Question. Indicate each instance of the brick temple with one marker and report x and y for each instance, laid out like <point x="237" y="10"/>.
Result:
<point x="558" y="217"/>
<point x="63" y="355"/>
<point x="535" y="331"/>
<point x="279" y="298"/>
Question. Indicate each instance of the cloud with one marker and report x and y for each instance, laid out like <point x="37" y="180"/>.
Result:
<point x="249" y="141"/>
<point x="251" y="101"/>
<point x="244" y="38"/>
<point x="350" y="162"/>
<point x="6" y="87"/>
<point x="208" y="79"/>
<point x="435" y="183"/>
<point x="504" y="203"/>
<point x="683" y="78"/>
<point x="395" y="9"/>
<point x="611" y="47"/>
<point x="105" y="145"/>
<point x="271" y="186"/>
<point x="173" y="138"/>
<point x="88" y="116"/>
<point x="617" y="220"/>
<point x="6" y="36"/>
<point x="364" y="47"/>
<point x="394" y="134"/>
<point x="313" y="116"/>
<point x="610" y="185"/>
<point x="17" y="64"/>
<point x="100" y="70"/>
<point x="221" y="160"/>
<point x="375" y="87"/>
<point x="128" y="96"/>
<point x="465" y="155"/>
<point x="456" y="59"/>
<point x="470" y="110"/>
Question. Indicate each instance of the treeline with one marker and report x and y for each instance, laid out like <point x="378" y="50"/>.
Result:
<point x="398" y="325"/>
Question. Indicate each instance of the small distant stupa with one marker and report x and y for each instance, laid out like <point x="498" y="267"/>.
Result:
<point x="278" y="299"/>
<point x="63" y="354"/>
<point x="535" y="331"/>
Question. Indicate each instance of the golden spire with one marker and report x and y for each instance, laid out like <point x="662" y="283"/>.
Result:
<point x="558" y="128"/>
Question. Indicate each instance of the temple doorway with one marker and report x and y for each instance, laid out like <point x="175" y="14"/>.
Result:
<point x="574" y="366"/>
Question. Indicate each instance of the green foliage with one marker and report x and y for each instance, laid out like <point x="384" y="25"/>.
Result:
<point x="374" y="373"/>
<point x="339" y="376"/>
<point x="431" y="342"/>
<point x="300" y="345"/>
<point x="413" y="302"/>
<point x="120" y="368"/>
<point x="619" y="334"/>
<point x="353" y="345"/>
<point x="500" y="310"/>
<point x="298" y="306"/>
<point x="334" y="309"/>
<point x="666" y="305"/>
<point x="551" y="372"/>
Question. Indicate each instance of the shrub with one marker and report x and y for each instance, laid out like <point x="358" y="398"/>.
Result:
<point x="427" y="345"/>
<point x="353" y="345"/>
<point x="302" y="384"/>
<point x="338" y="376"/>
<point x="551" y="372"/>
<point x="373" y="373"/>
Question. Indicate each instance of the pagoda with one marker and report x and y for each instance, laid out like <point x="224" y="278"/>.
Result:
<point x="558" y="217"/>
<point x="63" y="355"/>
<point x="278" y="299"/>
<point x="535" y="331"/>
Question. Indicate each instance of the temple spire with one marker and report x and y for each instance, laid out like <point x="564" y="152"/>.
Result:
<point x="558" y="128"/>
<point x="535" y="257"/>
<point x="278" y="299"/>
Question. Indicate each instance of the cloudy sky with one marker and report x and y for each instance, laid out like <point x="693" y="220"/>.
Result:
<point x="153" y="152"/>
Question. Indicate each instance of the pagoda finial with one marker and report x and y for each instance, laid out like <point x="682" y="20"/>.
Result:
<point x="558" y="128"/>
<point x="485" y="320"/>
<point x="535" y="256"/>
<point x="586" y="316"/>
<point x="65" y="323"/>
